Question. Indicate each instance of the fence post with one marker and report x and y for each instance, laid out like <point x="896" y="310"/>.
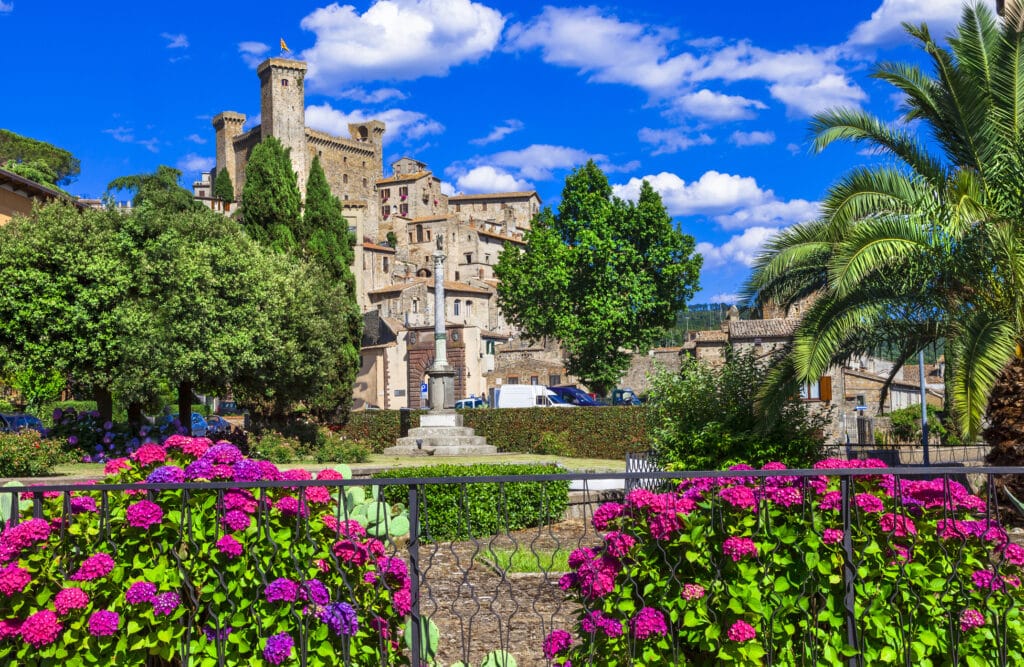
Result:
<point x="849" y="572"/>
<point x="414" y="576"/>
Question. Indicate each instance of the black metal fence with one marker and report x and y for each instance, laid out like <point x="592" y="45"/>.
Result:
<point x="921" y="573"/>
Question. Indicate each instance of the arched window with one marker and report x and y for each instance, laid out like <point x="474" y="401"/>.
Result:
<point x="419" y="233"/>
<point x="458" y="307"/>
<point x="469" y="307"/>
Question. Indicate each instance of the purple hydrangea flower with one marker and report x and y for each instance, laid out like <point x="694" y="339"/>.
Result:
<point x="340" y="617"/>
<point x="103" y="623"/>
<point x="281" y="590"/>
<point x="166" y="603"/>
<point x="278" y="648"/>
<point x="229" y="546"/>
<point x="140" y="592"/>
<point x="647" y="622"/>
<point x="166" y="475"/>
<point x="556" y="642"/>
<point x="248" y="470"/>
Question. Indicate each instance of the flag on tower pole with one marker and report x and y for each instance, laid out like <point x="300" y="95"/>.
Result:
<point x="284" y="47"/>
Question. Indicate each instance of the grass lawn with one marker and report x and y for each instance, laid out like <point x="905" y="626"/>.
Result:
<point x="523" y="559"/>
<point x="379" y="461"/>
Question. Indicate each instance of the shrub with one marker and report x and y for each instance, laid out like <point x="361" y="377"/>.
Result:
<point x="602" y="433"/>
<point x="25" y="454"/>
<point x="339" y="449"/>
<point x="731" y="571"/>
<point x="275" y="447"/>
<point x="461" y="511"/>
<point x="705" y="418"/>
<point x="93" y="440"/>
<point x="129" y="576"/>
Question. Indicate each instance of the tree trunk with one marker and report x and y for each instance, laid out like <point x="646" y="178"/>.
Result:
<point x="135" y="415"/>
<point x="185" y="406"/>
<point x="104" y="404"/>
<point x="1005" y="415"/>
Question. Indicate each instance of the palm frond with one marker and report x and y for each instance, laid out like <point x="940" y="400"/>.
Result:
<point x="877" y="245"/>
<point x="865" y="192"/>
<point x="984" y="344"/>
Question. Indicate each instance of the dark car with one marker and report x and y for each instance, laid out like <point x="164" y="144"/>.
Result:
<point x="13" y="423"/>
<point x="217" y="425"/>
<point x="574" y="395"/>
<point x="198" y="423"/>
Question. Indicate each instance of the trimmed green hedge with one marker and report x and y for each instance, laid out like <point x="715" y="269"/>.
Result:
<point x="600" y="433"/>
<point x="462" y="511"/>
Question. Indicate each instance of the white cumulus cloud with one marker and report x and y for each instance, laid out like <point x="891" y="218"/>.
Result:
<point x="192" y="163"/>
<point x="672" y="141"/>
<point x="805" y="98"/>
<point x="179" y="41"/>
<point x="196" y="139"/>
<point x="371" y="96"/>
<point x="755" y="138"/>
<point x="6" y="7"/>
<point x="490" y="179"/>
<point x="538" y="162"/>
<point x="716" y="106"/>
<point x="884" y="27"/>
<point x="742" y="248"/>
<point x="253" y="53"/>
<point x="499" y="132"/>
<point x="734" y="202"/>
<point x="397" y="40"/>
<point x="401" y="124"/>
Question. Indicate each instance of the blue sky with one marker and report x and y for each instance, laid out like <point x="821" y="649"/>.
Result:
<point x="708" y="101"/>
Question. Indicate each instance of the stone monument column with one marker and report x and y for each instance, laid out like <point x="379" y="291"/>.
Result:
<point x="441" y="432"/>
<point x="441" y="385"/>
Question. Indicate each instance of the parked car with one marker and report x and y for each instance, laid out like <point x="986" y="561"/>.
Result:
<point x="625" y="397"/>
<point x="574" y="395"/>
<point x="217" y="425"/>
<point x="13" y="423"/>
<point x="471" y="402"/>
<point x="528" y="396"/>
<point x="199" y="425"/>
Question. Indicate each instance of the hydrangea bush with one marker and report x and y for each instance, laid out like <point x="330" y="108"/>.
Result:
<point x="747" y="570"/>
<point x="111" y="577"/>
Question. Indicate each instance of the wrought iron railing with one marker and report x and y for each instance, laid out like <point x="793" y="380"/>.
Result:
<point x="470" y="589"/>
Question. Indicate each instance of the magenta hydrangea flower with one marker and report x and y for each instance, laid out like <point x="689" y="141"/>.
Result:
<point x="281" y="590"/>
<point x="83" y="504"/>
<point x="240" y="499"/>
<point x="1014" y="554"/>
<point x="149" y="453"/>
<point x="41" y="628"/>
<point x="236" y="520"/>
<point x="693" y="591"/>
<point x="832" y="535"/>
<point x="739" y="547"/>
<point x="785" y="496"/>
<point x="13" y="579"/>
<point x="144" y="514"/>
<point x="166" y="603"/>
<point x="618" y="543"/>
<point x="395" y="569"/>
<point x="103" y="623"/>
<point x="348" y="527"/>
<point x="69" y="599"/>
<point x="224" y="453"/>
<point x="401" y="601"/>
<point x="556" y="642"/>
<point x="897" y="525"/>
<point x="596" y="577"/>
<point x="9" y="629"/>
<point x="739" y="496"/>
<point x="741" y="631"/>
<point x="647" y="623"/>
<point x="94" y="567"/>
<point x="196" y="447"/>
<point x="869" y="503"/>
<point x="605" y="514"/>
<point x="597" y="621"/>
<point x="22" y="536"/>
<point x="229" y="546"/>
<point x="291" y="506"/>
<point x="315" y="591"/>
<point x="278" y="648"/>
<point x="140" y="592"/>
<point x="830" y="501"/>
<point x="970" y="619"/>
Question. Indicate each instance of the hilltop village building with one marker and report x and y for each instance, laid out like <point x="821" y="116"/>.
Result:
<point x="396" y="219"/>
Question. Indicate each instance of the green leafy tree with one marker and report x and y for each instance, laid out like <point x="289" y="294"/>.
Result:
<point x="222" y="187"/>
<point x="17" y="148"/>
<point x="270" y="198"/>
<point x="704" y="418"/>
<point x="69" y="301"/>
<point x="328" y="241"/>
<point x="603" y="276"/>
<point x="36" y="388"/>
<point x="159" y="188"/>
<point x="36" y="170"/>
<point x="929" y="247"/>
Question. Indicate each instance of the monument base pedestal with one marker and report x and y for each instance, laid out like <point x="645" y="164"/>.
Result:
<point x="441" y="433"/>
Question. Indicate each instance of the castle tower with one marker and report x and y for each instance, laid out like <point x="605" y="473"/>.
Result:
<point x="371" y="132"/>
<point x="283" y="110"/>
<point x="228" y="126"/>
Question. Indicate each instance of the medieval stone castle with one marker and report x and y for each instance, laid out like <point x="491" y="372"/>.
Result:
<point x="396" y="220"/>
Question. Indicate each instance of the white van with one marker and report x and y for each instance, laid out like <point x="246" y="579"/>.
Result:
<point x="528" y="396"/>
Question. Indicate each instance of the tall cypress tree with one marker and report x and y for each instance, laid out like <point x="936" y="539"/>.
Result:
<point x="222" y="187"/>
<point x="329" y="244"/>
<point x="271" y="206"/>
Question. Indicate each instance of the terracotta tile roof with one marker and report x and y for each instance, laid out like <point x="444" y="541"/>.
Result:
<point x="449" y="286"/>
<point x="23" y="186"/>
<point x="397" y="287"/>
<point x="404" y="177"/>
<point x="378" y="248"/>
<point x="494" y="195"/>
<point x="776" y="328"/>
<point x="501" y="236"/>
<point x="452" y="286"/>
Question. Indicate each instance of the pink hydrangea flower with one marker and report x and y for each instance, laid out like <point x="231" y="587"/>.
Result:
<point x="741" y="631"/>
<point x="229" y="546"/>
<point x="9" y="629"/>
<point x="144" y="514"/>
<point x="140" y="592"/>
<point x="41" y="628"/>
<point x="94" y="567"/>
<point x="832" y="536"/>
<point x="1014" y="554"/>
<point x="831" y="501"/>
<point x="970" y="619"/>
<point x="618" y="543"/>
<point x="596" y="577"/>
<point x="291" y="506"/>
<point x="351" y="551"/>
<point x="557" y="642"/>
<point x="739" y="547"/>
<point x="346" y="527"/>
<point x="115" y="466"/>
<point x="69" y="599"/>
<point x="596" y="620"/>
<point x="739" y="496"/>
<point x="104" y="623"/>
<point x="648" y="622"/>
<point x="166" y="603"/>
<point x="329" y="473"/>
<point x="897" y="525"/>
<point x="693" y="591"/>
<point x="13" y="579"/>
<point x="148" y="454"/>
<point x="401" y="601"/>
<point x="236" y="520"/>
<point x="240" y="499"/>
<point x="869" y="503"/>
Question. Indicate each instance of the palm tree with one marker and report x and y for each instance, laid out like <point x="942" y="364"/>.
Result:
<point x="930" y="246"/>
